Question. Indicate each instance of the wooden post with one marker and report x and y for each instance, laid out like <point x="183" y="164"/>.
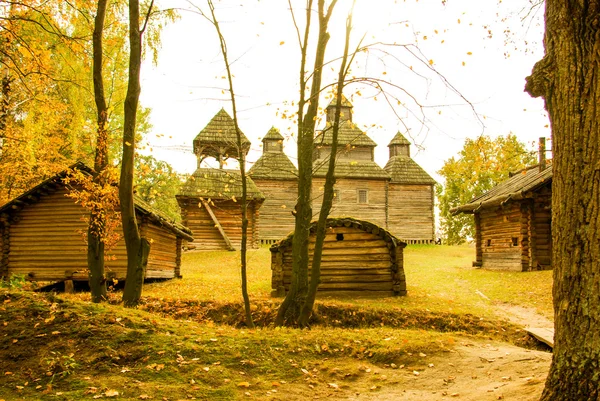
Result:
<point x="277" y="274"/>
<point x="478" y="250"/>
<point x="533" y="265"/>
<point x="218" y="225"/>
<point x="178" y="246"/>
<point x="524" y="236"/>
<point x="69" y="287"/>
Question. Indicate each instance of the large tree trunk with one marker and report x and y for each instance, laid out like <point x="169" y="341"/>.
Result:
<point x="95" y="249"/>
<point x="567" y="78"/>
<point x="137" y="248"/>
<point x="296" y="297"/>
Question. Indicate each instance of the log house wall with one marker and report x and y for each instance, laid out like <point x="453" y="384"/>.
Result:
<point x="498" y="228"/>
<point x="353" y="261"/>
<point x="46" y="243"/>
<point x="276" y="218"/>
<point x="410" y="212"/>
<point x="347" y="204"/>
<point x="207" y="236"/>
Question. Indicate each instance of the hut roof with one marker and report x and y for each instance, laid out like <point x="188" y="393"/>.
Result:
<point x="32" y="196"/>
<point x="349" y="134"/>
<point x="220" y="130"/>
<point x="404" y="170"/>
<point x="399" y="139"/>
<point x="518" y="186"/>
<point x="345" y="102"/>
<point x="344" y="222"/>
<point x="219" y="184"/>
<point x="273" y="165"/>
<point x="352" y="169"/>
<point x="273" y="134"/>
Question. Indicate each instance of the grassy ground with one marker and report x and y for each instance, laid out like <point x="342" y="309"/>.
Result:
<point x="439" y="278"/>
<point x="61" y="347"/>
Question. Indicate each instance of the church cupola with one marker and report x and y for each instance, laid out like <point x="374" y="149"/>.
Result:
<point x="345" y="112"/>
<point x="399" y="146"/>
<point x="273" y="141"/>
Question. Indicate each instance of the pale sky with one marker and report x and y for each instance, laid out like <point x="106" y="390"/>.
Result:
<point x="184" y="90"/>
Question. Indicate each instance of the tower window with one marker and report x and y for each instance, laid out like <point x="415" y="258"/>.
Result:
<point x="363" y="196"/>
<point x="339" y="237"/>
<point x="515" y="241"/>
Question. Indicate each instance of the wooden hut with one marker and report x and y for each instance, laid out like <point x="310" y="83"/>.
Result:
<point x="361" y="184"/>
<point x="410" y="195"/>
<point x="210" y="199"/>
<point x="359" y="258"/>
<point x="41" y="237"/>
<point x="277" y="177"/>
<point x="513" y="222"/>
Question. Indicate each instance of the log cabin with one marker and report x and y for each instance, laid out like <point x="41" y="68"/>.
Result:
<point x="513" y="222"/>
<point x="359" y="258"/>
<point x="42" y="236"/>
<point x="277" y="178"/>
<point x="210" y="200"/>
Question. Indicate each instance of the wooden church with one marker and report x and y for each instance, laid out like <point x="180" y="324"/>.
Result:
<point x="210" y="198"/>
<point x="398" y="197"/>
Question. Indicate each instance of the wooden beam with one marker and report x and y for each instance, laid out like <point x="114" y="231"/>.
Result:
<point x="217" y="224"/>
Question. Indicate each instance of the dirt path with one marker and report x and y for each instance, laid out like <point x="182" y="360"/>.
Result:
<point x="474" y="371"/>
<point x="526" y="317"/>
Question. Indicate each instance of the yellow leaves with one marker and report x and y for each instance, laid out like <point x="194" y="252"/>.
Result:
<point x="243" y="384"/>
<point x="430" y="62"/>
<point x="281" y="43"/>
<point x="469" y="53"/>
<point x="111" y="393"/>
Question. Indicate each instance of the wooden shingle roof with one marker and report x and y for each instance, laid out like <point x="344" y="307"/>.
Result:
<point x="345" y="102"/>
<point x="352" y="169"/>
<point x="273" y="134"/>
<point x="517" y="187"/>
<point x="219" y="184"/>
<point x="349" y="134"/>
<point x="404" y="170"/>
<point x="275" y="166"/>
<point x="34" y="195"/>
<point x="399" y="139"/>
<point x="220" y="131"/>
<point x="363" y="225"/>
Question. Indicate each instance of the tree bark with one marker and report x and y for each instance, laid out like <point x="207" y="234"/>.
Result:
<point x="95" y="248"/>
<point x="567" y="78"/>
<point x="137" y="247"/>
<point x="296" y="297"/>
<point x="315" y="277"/>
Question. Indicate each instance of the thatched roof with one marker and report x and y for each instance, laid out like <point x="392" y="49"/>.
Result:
<point x="349" y="134"/>
<point x="273" y="134"/>
<point x="352" y="169"/>
<point x="404" y="170"/>
<point x="399" y="139"/>
<point x="521" y="185"/>
<point x="219" y="184"/>
<point x="34" y="195"/>
<point x="363" y="225"/>
<point x="275" y="166"/>
<point x="220" y="131"/>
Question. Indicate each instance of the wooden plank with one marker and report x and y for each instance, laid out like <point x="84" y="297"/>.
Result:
<point x="543" y="334"/>
<point x="217" y="224"/>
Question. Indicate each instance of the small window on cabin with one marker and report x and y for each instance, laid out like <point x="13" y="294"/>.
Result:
<point x="489" y="242"/>
<point x="336" y="196"/>
<point x="363" y="196"/>
<point x="266" y="146"/>
<point x="339" y="237"/>
<point x="515" y="241"/>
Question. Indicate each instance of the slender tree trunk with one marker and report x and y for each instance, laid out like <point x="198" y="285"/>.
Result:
<point x="95" y="249"/>
<point x="315" y="277"/>
<point x="242" y="162"/>
<point x="138" y="248"/>
<point x="296" y="297"/>
<point x="568" y="78"/>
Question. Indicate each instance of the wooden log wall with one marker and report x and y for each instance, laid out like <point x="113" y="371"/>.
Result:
<point x="499" y="226"/>
<point x="410" y="212"/>
<point x="276" y="218"/>
<point x="207" y="236"/>
<point x="162" y="260"/>
<point x="353" y="261"/>
<point x="542" y="227"/>
<point x="347" y="205"/>
<point x="47" y="243"/>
